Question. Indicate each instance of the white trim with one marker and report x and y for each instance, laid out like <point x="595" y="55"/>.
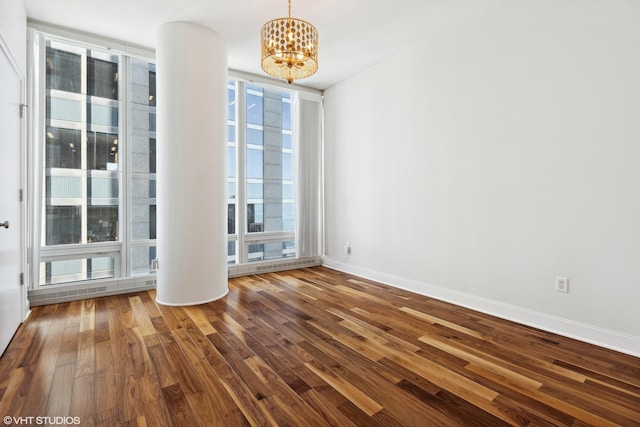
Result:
<point x="310" y="93"/>
<point x="591" y="334"/>
<point x="94" y="41"/>
<point x="8" y="53"/>
<point x="4" y="46"/>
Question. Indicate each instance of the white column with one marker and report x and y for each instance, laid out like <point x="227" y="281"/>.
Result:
<point x="191" y="87"/>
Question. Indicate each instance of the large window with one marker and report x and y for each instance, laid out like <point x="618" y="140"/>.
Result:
<point x="97" y="138"/>
<point x="261" y="206"/>
<point x="94" y="200"/>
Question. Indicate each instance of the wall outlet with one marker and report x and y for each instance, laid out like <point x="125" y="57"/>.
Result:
<point x="562" y="284"/>
<point x="347" y="248"/>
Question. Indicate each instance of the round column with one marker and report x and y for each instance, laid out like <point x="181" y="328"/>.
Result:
<point x="191" y="87"/>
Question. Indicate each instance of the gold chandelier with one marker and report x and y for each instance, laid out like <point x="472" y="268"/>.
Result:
<point x="289" y="48"/>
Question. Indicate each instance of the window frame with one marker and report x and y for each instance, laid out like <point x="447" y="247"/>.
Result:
<point x="122" y="249"/>
<point x="126" y="245"/>
<point x="243" y="238"/>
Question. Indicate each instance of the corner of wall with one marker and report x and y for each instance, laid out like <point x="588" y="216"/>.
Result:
<point x="606" y="338"/>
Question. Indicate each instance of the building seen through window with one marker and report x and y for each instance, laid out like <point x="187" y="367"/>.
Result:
<point x="84" y="155"/>
<point x="260" y="138"/>
<point x="98" y="142"/>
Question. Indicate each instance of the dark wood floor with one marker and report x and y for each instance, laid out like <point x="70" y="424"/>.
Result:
<point x="310" y="347"/>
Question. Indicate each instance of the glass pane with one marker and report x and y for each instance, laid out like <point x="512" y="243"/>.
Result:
<point x="231" y="100"/>
<point x="254" y="105"/>
<point x="102" y="151"/>
<point x="64" y="109"/>
<point x="256" y="252"/>
<point x="141" y="258"/>
<point x="63" y="187"/>
<point x="63" y="225"/>
<point x="74" y="270"/>
<point x="231" y="161"/>
<point x="102" y="224"/>
<point x="152" y="121"/>
<point x="255" y="217"/>
<point x="254" y="136"/>
<point x="231" y="218"/>
<point x="152" y="221"/>
<point x="255" y="191"/>
<point x="102" y="189"/>
<point x="254" y="163"/>
<point x="269" y="165"/>
<point x="63" y="148"/>
<point x="142" y="177"/>
<point x="143" y="208"/>
<point x="287" y="166"/>
<point x="288" y="216"/>
<point x="231" y="252"/>
<point x="152" y="155"/>
<point x="102" y="115"/>
<point x="287" y="191"/>
<point x="102" y="78"/>
<point x="286" y="140"/>
<point x="270" y="251"/>
<point x="231" y="133"/>
<point x="286" y="112"/>
<point x="63" y="70"/>
<point x="152" y="88"/>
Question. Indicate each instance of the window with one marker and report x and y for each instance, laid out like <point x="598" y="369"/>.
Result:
<point x="260" y="174"/>
<point x="98" y="169"/>
<point x="94" y="214"/>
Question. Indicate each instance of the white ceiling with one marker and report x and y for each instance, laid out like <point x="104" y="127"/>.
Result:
<point x="353" y="34"/>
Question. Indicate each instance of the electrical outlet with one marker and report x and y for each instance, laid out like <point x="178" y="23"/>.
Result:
<point x="562" y="284"/>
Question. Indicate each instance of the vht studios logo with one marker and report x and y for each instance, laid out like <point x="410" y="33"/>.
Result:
<point x="39" y="421"/>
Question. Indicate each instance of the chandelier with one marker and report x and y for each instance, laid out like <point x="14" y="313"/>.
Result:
<point x="289" y="48"/>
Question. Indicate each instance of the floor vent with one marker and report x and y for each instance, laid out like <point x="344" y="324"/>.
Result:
<point x="44" y="296"/>
<point x="266" y="267"/>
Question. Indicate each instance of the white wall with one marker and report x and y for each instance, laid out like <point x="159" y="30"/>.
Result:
<point x="13" y="27"/>
<point x="482" y="164"/>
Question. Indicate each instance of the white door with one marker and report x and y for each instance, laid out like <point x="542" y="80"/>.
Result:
<point x="10" y="221"/>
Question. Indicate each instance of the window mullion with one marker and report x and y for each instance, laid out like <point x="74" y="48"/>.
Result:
<point x="84" y="142"/>
<point x="123" y="166"/>
<point x="243" y="256"/>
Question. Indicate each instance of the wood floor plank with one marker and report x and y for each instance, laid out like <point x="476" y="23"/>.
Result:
<point x="13" y="399"/>
<point x="353" y="394"/>
<point x="83" y="408"/>
<point x="312" y="347"/>
<point x="59" y="401"/>
<point x="180" y="412"/>
<point x="68" y="352"/>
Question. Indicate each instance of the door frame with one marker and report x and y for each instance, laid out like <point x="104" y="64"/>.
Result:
<point x="5" y="50"/>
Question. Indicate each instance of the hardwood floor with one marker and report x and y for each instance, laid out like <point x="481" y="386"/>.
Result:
<point x="310" y="347"/>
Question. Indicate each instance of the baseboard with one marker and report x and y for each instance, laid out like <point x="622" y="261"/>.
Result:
<point x="602" y="337"/>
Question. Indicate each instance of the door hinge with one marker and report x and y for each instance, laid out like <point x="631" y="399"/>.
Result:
<point x="21" y="278"/>
<point x="21" y="195"/>
<point x="22" y="107"/>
